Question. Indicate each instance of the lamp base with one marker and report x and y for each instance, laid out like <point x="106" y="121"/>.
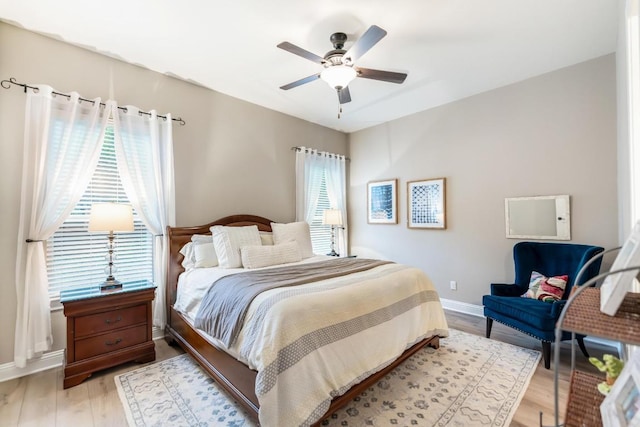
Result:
<point x="110" y="284"/>
<point x="333" y="253"/>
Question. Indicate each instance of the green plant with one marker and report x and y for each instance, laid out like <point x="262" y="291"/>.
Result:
<point x="611" y="366"/>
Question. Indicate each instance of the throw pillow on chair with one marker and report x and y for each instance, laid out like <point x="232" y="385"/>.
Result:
<point x="547" y="289"/>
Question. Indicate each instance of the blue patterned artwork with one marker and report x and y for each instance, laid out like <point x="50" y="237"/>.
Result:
<point x="426" y="203"/>
<point x="382" y="202"/>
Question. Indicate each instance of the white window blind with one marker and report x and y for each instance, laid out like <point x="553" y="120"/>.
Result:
<point x="320" y="233"/>
<point x="77" y="258"/>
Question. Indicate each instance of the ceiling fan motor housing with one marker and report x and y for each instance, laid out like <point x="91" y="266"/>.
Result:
<point x="336" y="56"/>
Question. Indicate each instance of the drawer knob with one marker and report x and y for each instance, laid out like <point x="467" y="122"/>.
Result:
<point x="117" y="341"/>
<point x="109" y="321"/>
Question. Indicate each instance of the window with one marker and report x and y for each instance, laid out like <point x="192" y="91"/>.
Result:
<point x="320" y="233"/>
<point x="77" y="258"/>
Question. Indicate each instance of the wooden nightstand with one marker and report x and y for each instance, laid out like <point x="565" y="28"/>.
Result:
<point x="105" y="329"/>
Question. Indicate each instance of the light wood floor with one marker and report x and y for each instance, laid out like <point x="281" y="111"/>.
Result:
<point x="39" y="400"/>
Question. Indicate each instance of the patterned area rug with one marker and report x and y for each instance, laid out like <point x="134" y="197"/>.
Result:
<point x="469" y="381"/>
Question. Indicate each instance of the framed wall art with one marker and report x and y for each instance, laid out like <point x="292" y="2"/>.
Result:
<point x="382" y="202"/>
<point x="426" y="204"/>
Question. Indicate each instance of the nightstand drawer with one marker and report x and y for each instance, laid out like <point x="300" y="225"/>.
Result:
<point x="109" y="320"/>
<point x="106" y="343"/>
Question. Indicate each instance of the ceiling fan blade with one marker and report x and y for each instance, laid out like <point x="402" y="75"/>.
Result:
<point x="301" y="52"/>
<point x="385" y="76"/>
<point x="344" y="95"/>
<point x="372" y="36"/>
<point x="300" y="82"/>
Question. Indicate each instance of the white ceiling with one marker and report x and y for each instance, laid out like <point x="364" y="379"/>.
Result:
<point x="450" y="49"/>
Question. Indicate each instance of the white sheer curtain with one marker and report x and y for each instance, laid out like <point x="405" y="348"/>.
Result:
<point x="311" y="164"/>
<point x="144" y="152"/>
<point x="335" y="175"/>
<point x="308" y="170"/>
<point x="62" y="143"/>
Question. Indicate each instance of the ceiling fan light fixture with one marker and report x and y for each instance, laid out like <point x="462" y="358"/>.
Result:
<point x="338" y="76"/>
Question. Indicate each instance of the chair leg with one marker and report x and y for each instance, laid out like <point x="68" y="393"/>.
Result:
<point x="546" y="354"/>
<point x="582" y="347"/>
<point x="488" y="329"/>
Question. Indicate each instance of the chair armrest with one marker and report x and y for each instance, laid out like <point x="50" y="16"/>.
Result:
<point x="505" y="290"/>
<point x="557" y="307"/>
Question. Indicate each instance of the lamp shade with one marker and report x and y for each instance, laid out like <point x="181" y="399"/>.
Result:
<point x="338" y="76"/>
<point x="111" y="217"/>
<point x="332" y="217"/>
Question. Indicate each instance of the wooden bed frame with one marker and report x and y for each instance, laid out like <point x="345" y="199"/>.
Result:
<point x="234" y="376"/>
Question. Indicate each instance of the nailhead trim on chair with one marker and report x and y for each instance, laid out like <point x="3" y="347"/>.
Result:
<point x="524" y="332"/>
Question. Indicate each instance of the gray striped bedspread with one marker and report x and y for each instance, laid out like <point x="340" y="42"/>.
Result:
<point x="224" y="306"/>
<point x="312" y="342"/>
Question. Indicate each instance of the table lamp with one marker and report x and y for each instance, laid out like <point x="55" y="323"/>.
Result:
<point x="332" y="217"/>
<point x="111" y="217"/>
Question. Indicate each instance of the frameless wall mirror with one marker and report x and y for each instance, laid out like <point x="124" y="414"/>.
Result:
<point x="540" y="217"/>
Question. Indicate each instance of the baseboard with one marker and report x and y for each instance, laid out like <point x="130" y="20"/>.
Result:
<point x="50" y="360"/>
<point x="53" y="359"/>
<point x="157" y="333"/>
<point x="462" y="307"/>
<point x="615" y="345"/>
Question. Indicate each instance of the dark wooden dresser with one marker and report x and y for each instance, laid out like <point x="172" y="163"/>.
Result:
<point x="105" y="329"/>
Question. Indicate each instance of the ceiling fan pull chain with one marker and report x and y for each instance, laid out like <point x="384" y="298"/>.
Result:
<point x="339" y="110"/>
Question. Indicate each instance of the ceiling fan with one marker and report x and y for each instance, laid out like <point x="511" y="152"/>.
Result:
<point x="339" y="69"/>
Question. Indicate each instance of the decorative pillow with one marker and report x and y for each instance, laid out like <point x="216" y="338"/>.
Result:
<point x="187" y="251"/>
<point x="227" y="242"/>
<point x="547" y="289"/>
<point x="266" y="237"/>
<point x="294" y="232"/>
<point x="263" y="256"/>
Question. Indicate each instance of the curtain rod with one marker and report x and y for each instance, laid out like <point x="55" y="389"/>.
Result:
<point x="6" y="84"/>
<point x="307" y="150"/>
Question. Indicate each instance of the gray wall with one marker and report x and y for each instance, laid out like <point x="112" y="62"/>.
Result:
<point x="549" y="135"/>
<point x="231" y="157"/>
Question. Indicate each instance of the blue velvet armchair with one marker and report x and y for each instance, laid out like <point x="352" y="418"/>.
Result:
<point x="532" y="316"/>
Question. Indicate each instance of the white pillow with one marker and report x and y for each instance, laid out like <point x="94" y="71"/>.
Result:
<point x="187" y="251"/>
<point x="263" y="256"/>
<point x="266" y="237"/>
<point x="294" y="231"/>
<point x="228" y="241"/>
<point x="201" y="238"/>
<point x="204" y="254"/>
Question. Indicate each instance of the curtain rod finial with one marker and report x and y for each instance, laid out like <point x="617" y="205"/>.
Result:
<point x="6" y="84"/>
